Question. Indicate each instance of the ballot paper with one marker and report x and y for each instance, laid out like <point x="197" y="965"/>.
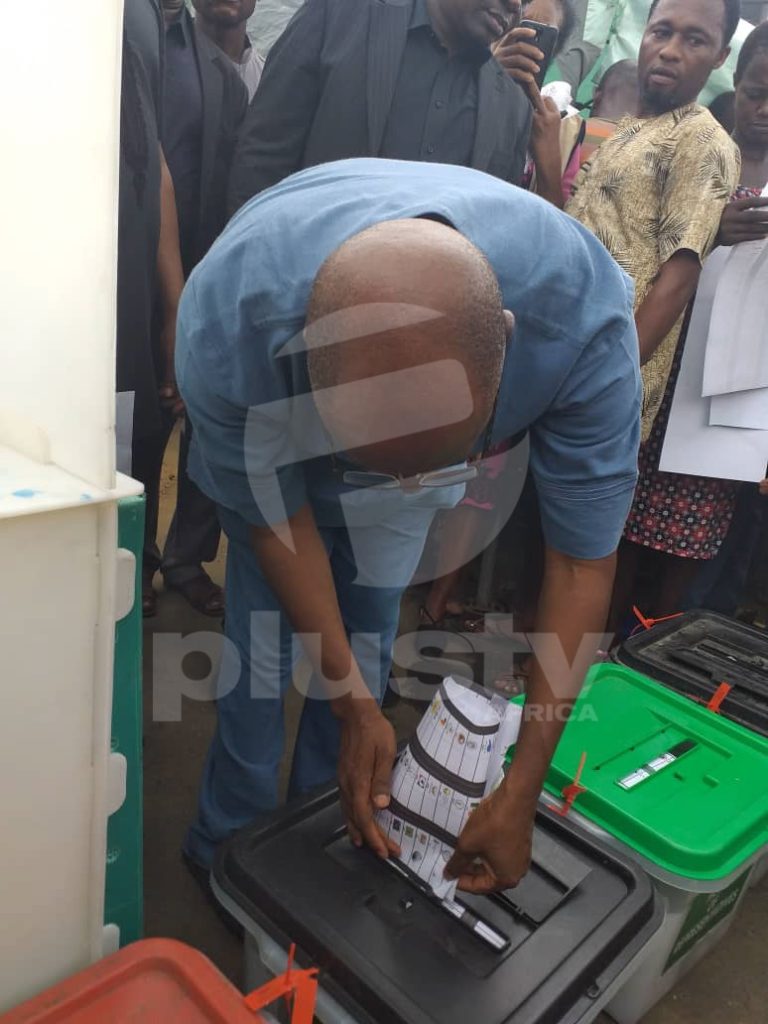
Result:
<point x="443" y="773"/>
<point x="736" y="356"/>
<point x="746" y="409"/>
<point x="691" y="444"/>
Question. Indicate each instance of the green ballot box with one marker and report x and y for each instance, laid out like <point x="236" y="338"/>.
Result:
<point x="680" y="789"/>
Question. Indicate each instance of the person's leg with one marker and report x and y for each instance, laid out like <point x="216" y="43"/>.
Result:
<point x="721" y="582"/>
<point x="677" y="574"/>
<point x="372" y="566"/>
<point x="627" y="562"/>
<point x="147" y="465"/>
<point x="457" y="531"/>
<point x="193" y="538"/>
<point x="240" y="778"/>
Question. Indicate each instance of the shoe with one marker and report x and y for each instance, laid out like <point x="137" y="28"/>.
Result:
<point x="148" y="595"/>
<point x="202" y="593"/>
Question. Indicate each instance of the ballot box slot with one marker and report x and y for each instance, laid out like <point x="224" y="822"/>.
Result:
<point x="554" y="874"/>
<point x="470" y="918"/>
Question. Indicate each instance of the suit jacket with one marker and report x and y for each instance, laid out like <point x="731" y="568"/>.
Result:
<point x="327" y="89"/>
<point x="139" y="207"/>
<point x="225" y="102"/>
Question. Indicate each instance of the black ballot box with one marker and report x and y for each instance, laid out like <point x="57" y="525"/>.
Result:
<point x="696" y="653"/>
<point x="553" y="950"/>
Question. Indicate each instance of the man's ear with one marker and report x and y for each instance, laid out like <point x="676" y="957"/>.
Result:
<point x="722" y="58"/>
<point x="509" y="322"/>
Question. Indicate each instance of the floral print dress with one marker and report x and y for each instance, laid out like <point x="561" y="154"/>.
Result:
<point x="681" y="515"/>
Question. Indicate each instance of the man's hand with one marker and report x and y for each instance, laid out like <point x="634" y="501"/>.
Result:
<point x="545" y="129"/>
<point x="545" y="147"/>
<point x="169" y="392"/>
<point x="171" y="399"/>
<point x="519" y="57"/>
<point x="494" y="850"/>
<point x="744" y="220"/>
<point x="365" y="770"/>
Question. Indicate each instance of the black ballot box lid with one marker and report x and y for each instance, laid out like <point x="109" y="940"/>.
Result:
<point x="694" y="653"/>
<point x="390" y="953"/>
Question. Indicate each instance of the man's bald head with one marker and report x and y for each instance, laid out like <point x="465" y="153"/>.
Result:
<point x="406" y="336"/>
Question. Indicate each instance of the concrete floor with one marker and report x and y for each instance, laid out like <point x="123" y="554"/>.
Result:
<point x="729" y="987"/>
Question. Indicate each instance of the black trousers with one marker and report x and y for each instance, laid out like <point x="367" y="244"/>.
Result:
<point x="193" y="537"/>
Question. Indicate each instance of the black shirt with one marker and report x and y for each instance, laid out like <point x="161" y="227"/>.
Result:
<point x="183" y="129"/>
<point x="434" y="109"/>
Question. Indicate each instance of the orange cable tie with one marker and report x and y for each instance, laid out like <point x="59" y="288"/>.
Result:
<point x="718" y="697"/>
<point x="573" y="789"/>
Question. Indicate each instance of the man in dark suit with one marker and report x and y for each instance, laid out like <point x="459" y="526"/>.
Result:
<point x="401" y="79"/>
<point x="140" y="369"/>
<point x="204" y="102"/>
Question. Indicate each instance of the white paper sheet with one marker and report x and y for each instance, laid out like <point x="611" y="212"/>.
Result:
<point x="737" y="347"/>
<point x="124" y="401"/>
<point x="691" y="445"/>
<point x="747" y="409"/>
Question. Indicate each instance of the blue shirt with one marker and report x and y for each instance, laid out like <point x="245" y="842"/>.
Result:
<point x="571" y="372"/>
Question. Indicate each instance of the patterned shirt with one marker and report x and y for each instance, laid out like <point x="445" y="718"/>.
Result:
<point x="657" y="187"/>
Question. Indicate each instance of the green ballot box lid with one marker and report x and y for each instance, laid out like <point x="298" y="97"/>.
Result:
<point x="677" y="783"/>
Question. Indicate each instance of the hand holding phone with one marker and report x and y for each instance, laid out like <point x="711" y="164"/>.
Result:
<point x="526" y="52"/>
<point x="545" y="40"/>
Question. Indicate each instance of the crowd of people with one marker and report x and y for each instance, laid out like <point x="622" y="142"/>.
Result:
<point x="326" y="276"/>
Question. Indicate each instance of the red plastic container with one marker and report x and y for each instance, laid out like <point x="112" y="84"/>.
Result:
<point x="157" y="981"/>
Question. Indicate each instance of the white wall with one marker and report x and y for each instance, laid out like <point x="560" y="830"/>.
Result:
<point x="59" y="82"/>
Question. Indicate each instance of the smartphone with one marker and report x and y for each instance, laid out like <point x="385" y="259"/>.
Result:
<point x="546" y="40"/>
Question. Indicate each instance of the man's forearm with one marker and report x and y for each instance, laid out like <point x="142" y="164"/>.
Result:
<point x="573" y="609"/>
<point x="665" y="303"/>
<point x="300" y="575"/>
<point x="549" y="180"/>
<point x="170" y="273"/>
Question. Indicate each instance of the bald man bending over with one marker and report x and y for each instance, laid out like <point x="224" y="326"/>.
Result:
<point x="354" y="336"/>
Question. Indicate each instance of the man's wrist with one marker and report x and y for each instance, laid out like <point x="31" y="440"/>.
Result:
<point x="355" y="706"/>
<point x="548" y="166"/>
<point x="521" y="791"/>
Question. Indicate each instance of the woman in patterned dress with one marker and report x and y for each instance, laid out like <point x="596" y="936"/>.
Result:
<point x="684" y="518"/>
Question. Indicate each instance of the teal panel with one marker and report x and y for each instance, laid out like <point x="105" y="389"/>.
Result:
<point x="124" y="886"/>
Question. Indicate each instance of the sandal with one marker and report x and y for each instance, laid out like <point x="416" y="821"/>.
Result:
<point x="202" y="593"/>
<point x="515" y="681"/>
<point x="148" y="596"/>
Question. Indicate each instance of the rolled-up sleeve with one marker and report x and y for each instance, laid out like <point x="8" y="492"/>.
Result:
<point x="584" y="448"/>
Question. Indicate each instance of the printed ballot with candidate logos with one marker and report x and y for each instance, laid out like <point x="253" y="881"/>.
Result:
<point x="454" y="759"/>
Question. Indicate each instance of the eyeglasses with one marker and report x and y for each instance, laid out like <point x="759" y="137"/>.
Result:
<point x="448" y="477"/>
